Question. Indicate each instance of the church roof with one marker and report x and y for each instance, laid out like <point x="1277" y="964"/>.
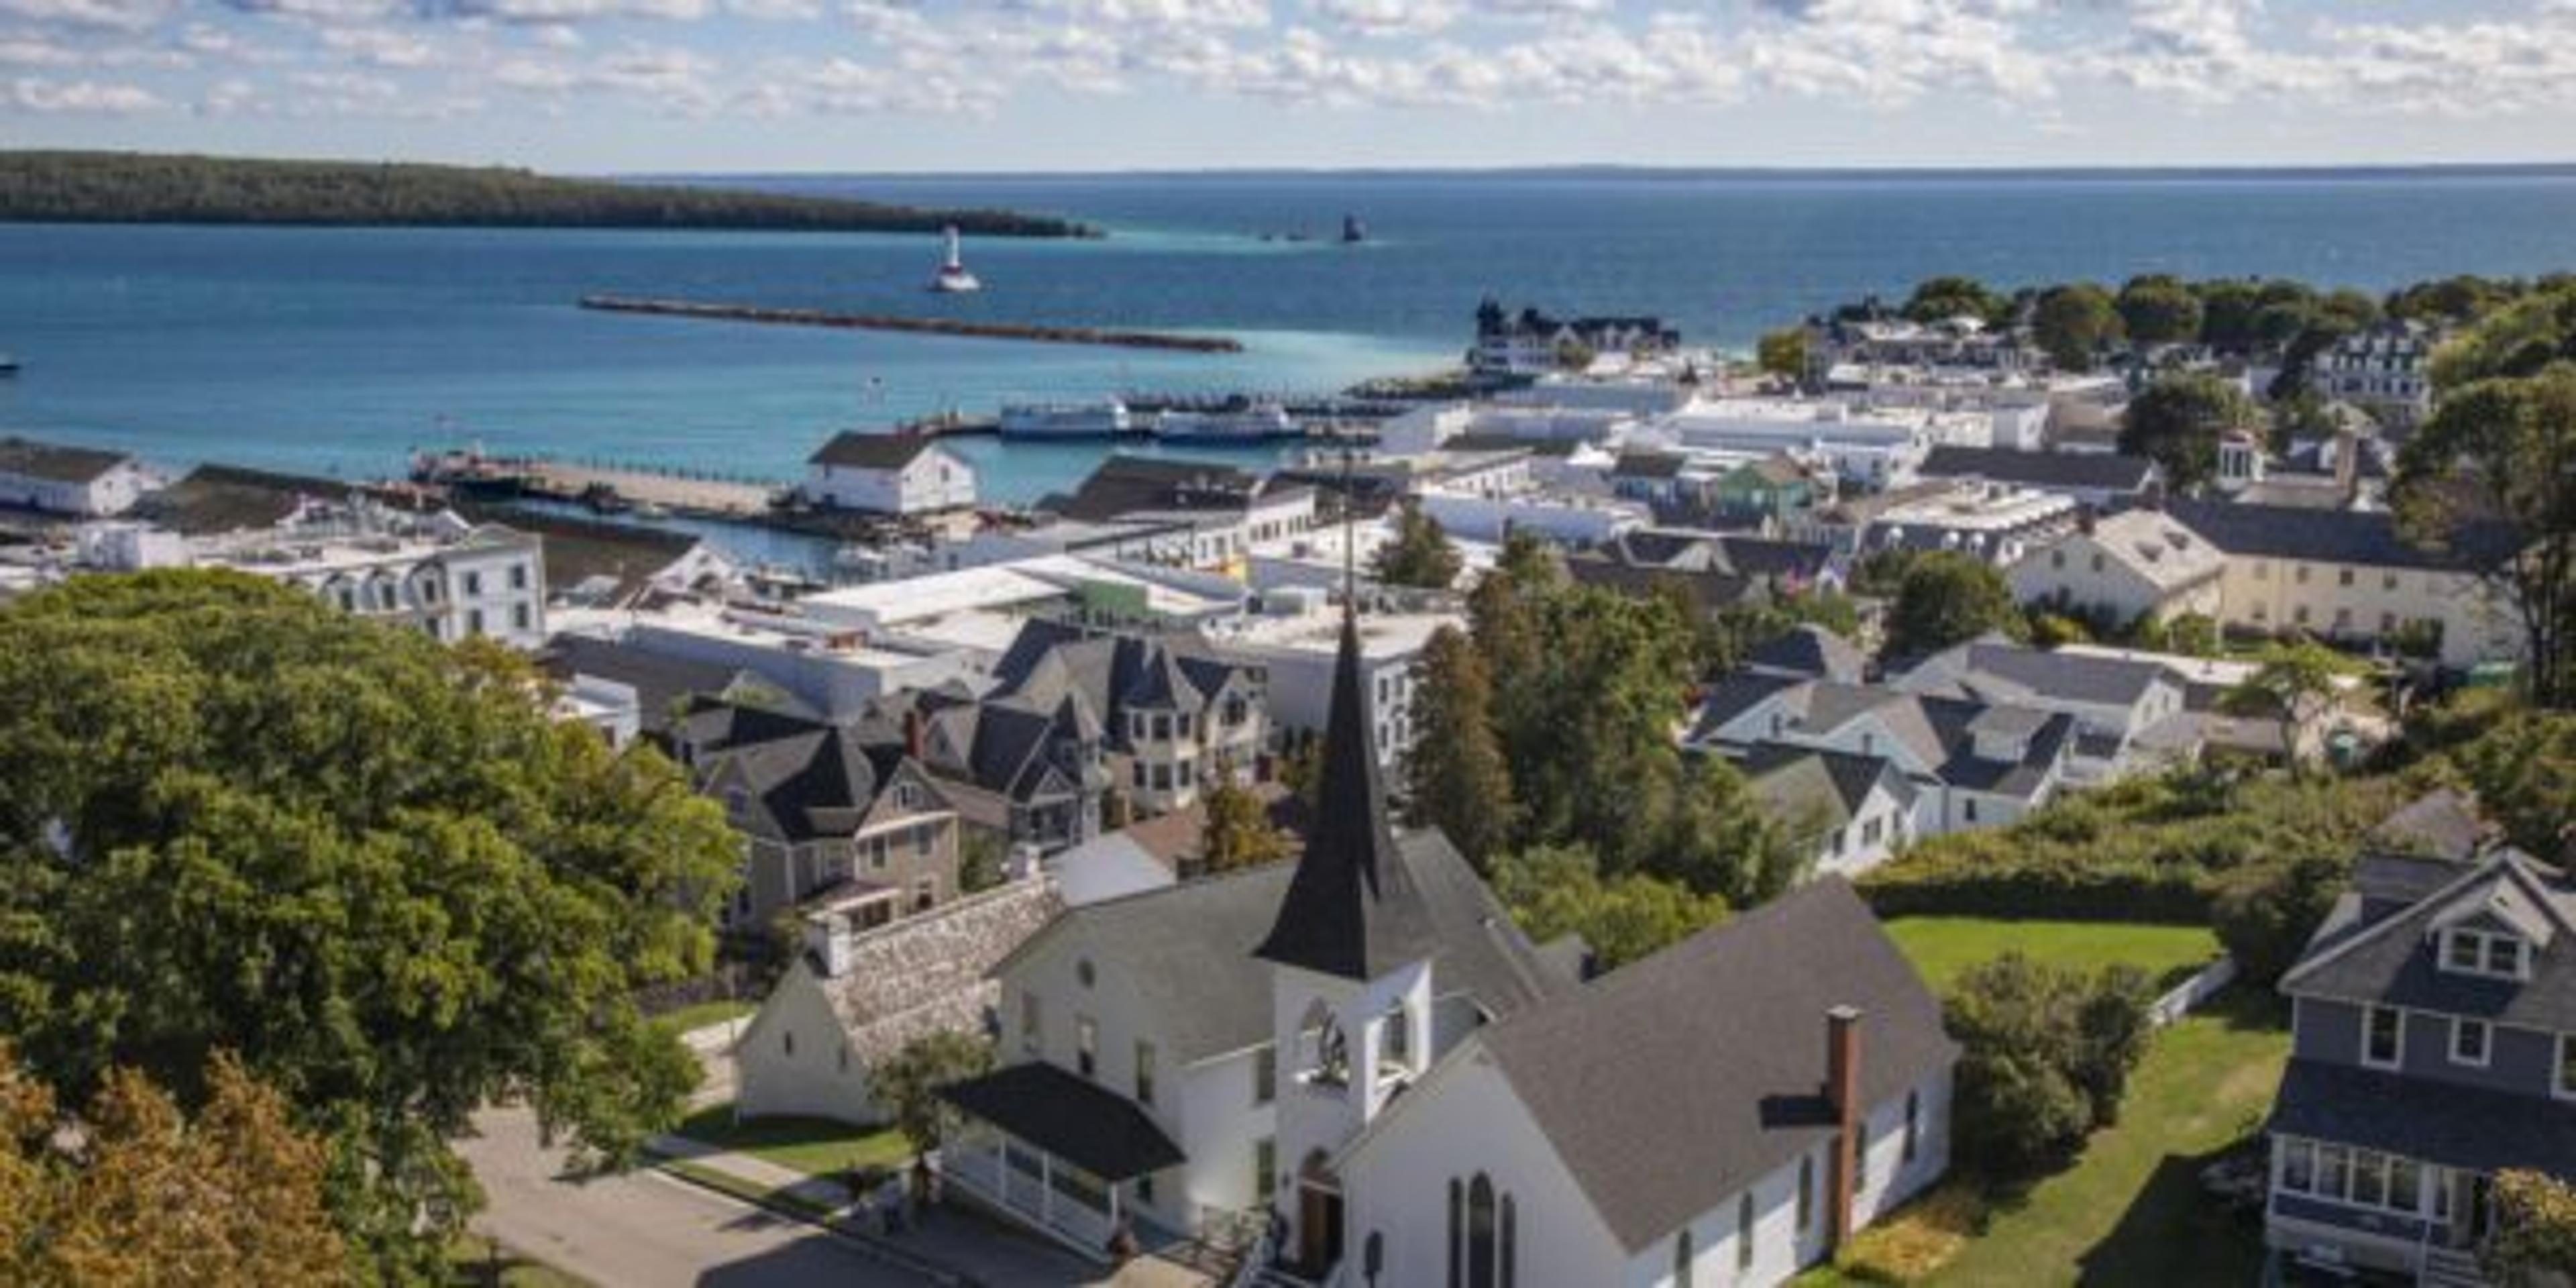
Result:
<point x="1352" y="908"/>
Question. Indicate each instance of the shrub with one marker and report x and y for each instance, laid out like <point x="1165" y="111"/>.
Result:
<point x="2265" y="915"/>
<point x="2535" y="1231"/>
<point x="2045" y="1058"/>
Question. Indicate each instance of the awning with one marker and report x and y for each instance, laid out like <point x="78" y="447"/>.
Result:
<point x="1073" y="1118"/>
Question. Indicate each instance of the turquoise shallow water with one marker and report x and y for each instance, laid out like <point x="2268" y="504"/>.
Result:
<point x="336" y="350"/>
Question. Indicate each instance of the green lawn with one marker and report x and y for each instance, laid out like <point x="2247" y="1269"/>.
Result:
<point x="809" y="1145"/>
<point x="1942" y="947"/>
<point x="698" y="1015"/>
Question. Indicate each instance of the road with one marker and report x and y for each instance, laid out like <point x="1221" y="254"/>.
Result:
<point x="644" y="1229"/>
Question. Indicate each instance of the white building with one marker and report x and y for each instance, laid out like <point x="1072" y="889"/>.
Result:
<point x="1566" y="518"/>
<point x="1874" y="447"/>
<point x="2350" y="576"/>
<point x="442" y="576"/>
<point x="2127" y="566"/>
<point x="79" y="482"/>
<point x="1995" y="522"/>
<point x="888" y="474"/>
<point x="832" y="667"/>
<point x="2384" y="369"/>
<point x="1299" y="651"/>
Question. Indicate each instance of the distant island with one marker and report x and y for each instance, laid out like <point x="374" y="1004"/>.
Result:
<point x="144" y="188"/>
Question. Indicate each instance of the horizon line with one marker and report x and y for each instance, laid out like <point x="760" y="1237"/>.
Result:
<point x="2220" y="170"/>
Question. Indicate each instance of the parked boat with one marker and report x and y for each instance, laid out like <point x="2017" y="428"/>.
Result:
<point x="1249" y="422"/>
<point x="1067" y="420"/>
<point x="8" y="365"/>
<point x="1353" y="231"/>
<point x="952" y="278"/>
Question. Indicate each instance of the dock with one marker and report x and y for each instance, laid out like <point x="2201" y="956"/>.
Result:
<point x="603" y="486"/>
<point x="721" y="312"/>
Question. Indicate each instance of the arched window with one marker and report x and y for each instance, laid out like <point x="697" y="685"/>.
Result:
<point x="1913" y="1121"/>
<point x="1373" y="1257"/>
<point x="1682" y="1259"/>
<point x="1457" y="1233"/>
<point x="787" y="1041"/>
<point x="1806" y="1193"/>
<point x="1325" y="1046"/>
<point x="1744" y="1232"/>
<point x="1511" y="1243"/>
<point x="1480" y="1232"/>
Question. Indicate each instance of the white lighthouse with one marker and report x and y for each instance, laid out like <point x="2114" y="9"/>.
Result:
<point x="953" y="279"/>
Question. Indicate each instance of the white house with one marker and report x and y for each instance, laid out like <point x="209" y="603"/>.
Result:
<point x="2128" y="565"/>
<point x="2129" y="714"/>
<point x="1855" y="812"/>
<point x="2350" y="576"/>
<point x="2385" y="369"/>
<point x="888" y="474"/>
<point x="1299" y="653"/>
<point x="80" y="482"/>
<point x="445" y="577"/>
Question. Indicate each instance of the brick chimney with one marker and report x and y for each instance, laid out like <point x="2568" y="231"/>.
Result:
<point x="916" y="738"/>
<point x="1842" y="1088"/>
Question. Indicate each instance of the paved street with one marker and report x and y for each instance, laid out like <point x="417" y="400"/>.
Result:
<point x="645" y="1230"/>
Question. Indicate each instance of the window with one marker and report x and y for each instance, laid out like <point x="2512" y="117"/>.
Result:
<point x="1265" y="1075"/>
<point x="1806" y="1193"/>
<point x="2565" y="1082"/>
<point x="1083" y="972"/>
<point x="1145" y="1188"/>
<point x="2303" y="574"/>
<point x="1744" y="1231"/>
<point x="2388" y="581"/>
<point x="1086" y="1045"/>
<point x="2504" y="955"/>
<point x="844" y="1055"/>
<point x="2097" y="563"/>
<point x="1457" y="1233"/>
<point x="474" y="583"/>
<point x="1480" y="1232"/>
<point x="1395" y="1043"/>
<point x="1511" y="1243"/>
<point x="2298" y="1166"/>
<point x="1913" y="1123"/>
<point x="2462" y="952"/>
<point x="2369" y="1178"/>
<point x="1144" y="1072"/>
<point x="1682" y="1259"/>
<point x="2262" y="570"/>
<point x="2333" y="1166"/>
<point x="2343" y="576"/>
<point x="1265" y="1170"/>
<point x="2383" y="1037"/>
<point x="787" y="1043"/>
<point x="2056" y="558"/>
<point x="518" y="576"/>
<point x="1032" y="1035"/>
<point x="2474" y="952"/>
<point x="474" y="621"/>
<point x="1860" y="1153"/>
<point x="2468" y="1041"/>
<point x="2300" y="614"/>
<point x="1971" y="805"/>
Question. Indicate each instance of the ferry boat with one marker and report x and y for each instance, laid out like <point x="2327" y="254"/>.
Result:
<point x="1241" y="422"/>
<point x="952" y="278"/>
<point x="1067" y="420"/>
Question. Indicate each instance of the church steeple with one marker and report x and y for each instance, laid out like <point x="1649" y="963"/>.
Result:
<point x="1351" y="909"/>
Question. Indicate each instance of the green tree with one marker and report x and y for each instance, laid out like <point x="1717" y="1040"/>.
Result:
<point x="233" y="1196"/>
<point x="232" y="819"/>
<point x="2500" y="452"/>
<point x="1940" y="299"/>
<point x="2045" y="1057"/>
<point x="1949" y="598"/>
<point x="2533" y="1242"/>
<point x="1784" y="353"/>
<point x="2227" y="309"/>
<point x="2297" y="685"/>
<point x="2265" y="914"/>
<point x="2454" y="300"/>
<point x="1421" y="553"/>
<point x="2074" y="323"/>
<point x="2517" y="340"/>
<point x="1558" y="890"/>
<point x="2178" y="421"/>
<point x="2524" y="769"/>
<point x="979" y="860"/>
<point x="1238" y="832"/>
<point x="2159" y="309"/>
<point x="908" y="1083"/>
<point x="1725" y="843"/>
<point x="1455" y="776"/>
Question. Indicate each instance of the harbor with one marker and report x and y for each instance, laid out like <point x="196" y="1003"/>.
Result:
<point x="717" y="311"/>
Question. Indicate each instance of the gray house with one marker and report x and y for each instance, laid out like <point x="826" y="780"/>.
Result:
<point x="2435" y="1045"/>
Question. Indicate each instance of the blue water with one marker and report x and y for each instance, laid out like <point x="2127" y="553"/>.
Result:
<point x="339" y="350"/>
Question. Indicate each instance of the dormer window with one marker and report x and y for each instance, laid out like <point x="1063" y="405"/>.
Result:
<point x="2493" y="954"/>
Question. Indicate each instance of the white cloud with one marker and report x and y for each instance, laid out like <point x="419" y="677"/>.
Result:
<point x="113" y="15"/>
<point x="381" y="47"/>
<point x="46" y="95"/>
<point x="33" y="51"/>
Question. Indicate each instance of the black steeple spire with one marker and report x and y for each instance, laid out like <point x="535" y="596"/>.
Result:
<point x="1351" y="909"/>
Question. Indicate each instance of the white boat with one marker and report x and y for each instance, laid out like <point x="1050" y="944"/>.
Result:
<point x="1066" y="420"/>
<point x="952" y="278"/>
<point x="1251" y="423"/>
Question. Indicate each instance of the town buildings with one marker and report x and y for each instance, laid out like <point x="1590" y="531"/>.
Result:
<point x="2352" y="578"/>
<point x="1531" y="342"/>
<point x="2123" y="568"/>
<point x="897" y="474"/>
<point x="2384" y="369"/>
<point x="72" y="482"/>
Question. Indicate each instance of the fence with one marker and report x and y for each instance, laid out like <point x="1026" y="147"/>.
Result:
<point x="2192" y="992"/>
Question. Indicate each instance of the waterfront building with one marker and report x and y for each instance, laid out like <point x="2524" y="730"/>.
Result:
<point x="1207" y="515"/>
<point x="2384" y="369"/>
<point x="1531" y="342"/>
<point x="898" y="474"/>
<point x="73" y="482"/>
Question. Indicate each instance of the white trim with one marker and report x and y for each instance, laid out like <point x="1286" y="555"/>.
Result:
<point x="2369" y="1012"/>
<point x="2486" y="1041"/>
<point x="2309" y="967"/>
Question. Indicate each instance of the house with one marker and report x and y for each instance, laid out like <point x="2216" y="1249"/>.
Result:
<point x="823" y="813"/>
<point x="451" y="581"/>
<point x="1207" y="515"/>
<point x="1993" y="522"/>
<point x="2384" y="369"/>
<point x="1782" y="567"/>
<point x="2101" y="481"/>
<point x="895" y="474"/>
<point x="854" y="995"/>
<point x="1808" y="652"/>
<point x="2352" y="577"/>
<point x="1654" y="478"/>
<point x="1853" y="811"/>
<point x="76" y="482"/>
<point x="2129" y="715"/>
<point x="661" y="686"/>
<point x="592" y="564"/>
<point x="2434" y="1045"/>
<point x="1531" y="342"/>
<point x="2128" y="567"/>
<point x="1298" y="652"/>
<point x="1774" y="487"/>
<point x="1973" y="763"/>
<point x="1172" y="713"/>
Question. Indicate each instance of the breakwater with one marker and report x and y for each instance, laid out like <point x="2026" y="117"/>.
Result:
<point x="722" y="312"/>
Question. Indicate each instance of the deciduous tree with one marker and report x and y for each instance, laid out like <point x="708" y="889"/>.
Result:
<point x="1556" y="890"/>
<point x="1783" y="353"/>
<point x="2297" y="684"/>
<point x="2074" y="323"/>
<point x="1455" y="775"/>
<point x="2159" y="309"/>
<point x="1238" y="832"/>
<point x="2178" y="421"/>
<point x="1421" y="553"/>
<point x="1947" y="598"/>
<point x="909" y="1081"/>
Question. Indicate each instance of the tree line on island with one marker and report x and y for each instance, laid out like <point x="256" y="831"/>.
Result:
<point x="128" y="187"/>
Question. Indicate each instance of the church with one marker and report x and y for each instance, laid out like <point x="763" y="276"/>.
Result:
<point x="1361" y="1057"/>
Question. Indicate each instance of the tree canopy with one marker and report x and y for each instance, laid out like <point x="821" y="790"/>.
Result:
<point x="2178" y="421"/>
<point x="232" y="819"/>
<point x="2045" y="1057"/>
<point x="1238" y="832"/>
<point x="2159" y="309"/>
<point x="2074" y="323"/>
<point x="1946" y="597"/>
<point x="1421" y="553"/>
<point x="1783" y="353"/>
<point x="1456" y="779"/>
<point x="1940" y="299"/>
<point x="909" y="1081"/>
<point x="1557" y="890"/>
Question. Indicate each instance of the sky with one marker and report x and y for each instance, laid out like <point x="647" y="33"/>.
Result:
<point x="609" y="86"/>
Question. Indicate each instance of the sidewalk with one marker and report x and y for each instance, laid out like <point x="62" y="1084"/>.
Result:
<point x="939" y="1244"/>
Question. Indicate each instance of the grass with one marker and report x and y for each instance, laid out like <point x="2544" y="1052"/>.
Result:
<point x="813" y="1146"/>
<point x="748" y="1191"/>
<point x="698" y="1015"/>
<point x="469" y="1261"/>
<point x="1943" y="947"/>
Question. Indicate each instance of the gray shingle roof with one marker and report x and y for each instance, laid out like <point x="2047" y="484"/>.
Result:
<point x="2438" y="1122"/>
<point x="2087" y="470"/>
<point x="2390" y="960"/>
<point x="1668" y="1084"/>
<point x="851" y="449"/>
<point x="1998" y="671"/>
<point x="2442" y="824"/>
<point x="56" y="462"/>
<point x="1813" y="651"/>
<point x="2336" y="536"/>
<point x="660" y="681"/>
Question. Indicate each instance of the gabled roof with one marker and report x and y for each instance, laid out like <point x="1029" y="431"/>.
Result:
<point x="2091" y="471"/>
<point x="2392" y="960"/>
<point x="1351" y="910"/>
<point x="1812" y="651"/>
<point x="1670" y="1083"/>
<point x="1997" y="670"/>
<point x="1125" y="484"/>
<point x="577" y="550"/>
<point x="1070" y="1117"/>
<point x="660" y="681"/>
<point x="2368" y="537"/>
<point x="1735" y="695"/>
<point x="1791" y="779"/>
<point x="229" y="498"/>
<point x="27" y="458"/>
<point x="1649" y="465"/>
<point x="851" y="449"/>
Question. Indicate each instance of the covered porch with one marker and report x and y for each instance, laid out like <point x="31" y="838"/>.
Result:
<point x="1058" y="1153"/>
